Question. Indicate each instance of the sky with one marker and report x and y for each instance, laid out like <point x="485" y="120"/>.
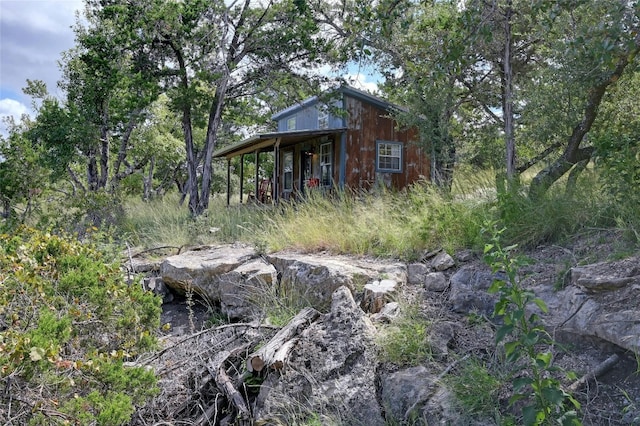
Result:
<point x="33" y="35"/>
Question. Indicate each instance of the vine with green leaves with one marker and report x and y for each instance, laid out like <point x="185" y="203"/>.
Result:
<point x="527" y="345"/>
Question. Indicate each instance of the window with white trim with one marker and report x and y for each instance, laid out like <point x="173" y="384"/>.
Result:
<point x="388" y="157"/>
<point x="287" y="170"/>
<point x="323" y="117"/>
<point x="326" y="167"/>
<point x="291" y="123"/>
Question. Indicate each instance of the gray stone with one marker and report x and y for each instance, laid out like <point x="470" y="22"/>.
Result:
<point x="435" y="281"/>
<point x="332" y="371"/>
<point x="316" y="278"/>
<point x="232" y="275"/>
<point x="414" y="396"/>
<point x="389" y="312"/>
<point x="469" y="287"/>
<point x="442" y="262"/>
<point x="416" y="273"/>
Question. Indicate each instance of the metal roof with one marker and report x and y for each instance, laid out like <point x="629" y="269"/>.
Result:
<point x="265" y="141"/>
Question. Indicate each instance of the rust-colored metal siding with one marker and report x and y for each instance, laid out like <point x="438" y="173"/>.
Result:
<point x="367" y="124"/>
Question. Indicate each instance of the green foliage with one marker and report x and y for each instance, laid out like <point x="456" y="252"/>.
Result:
<point x="476" y="388"/>
<point x="617" y="143"/>
<point x="68" y="322"/>
<point x="405" y="341"/>
<point x="526" y="343"/>
<point x="552" y="217"/>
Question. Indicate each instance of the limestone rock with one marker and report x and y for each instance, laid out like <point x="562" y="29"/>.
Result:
<point x="316" y="278"/>
<point x="389" y="312"/>
<point x="602" y="301"/>
<point x="232" y="275"/>
<point x="414" y="396"/>
<point x="442" y="262"/>
<point x="332" y="371"/>
<point x="198" y="268"/>
<point x="469" y="287"/>
<point x="435" y="281"/>
<point x="416" y="273"/>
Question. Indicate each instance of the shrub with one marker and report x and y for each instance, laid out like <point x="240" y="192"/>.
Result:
<point x="68" y="323"/>
<point x="527" y="345"/>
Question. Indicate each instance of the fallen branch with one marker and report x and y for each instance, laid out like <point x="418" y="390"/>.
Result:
<point x="600" y="369"/>
<point x="278" y="347"/>
<point x="158" y="354"/>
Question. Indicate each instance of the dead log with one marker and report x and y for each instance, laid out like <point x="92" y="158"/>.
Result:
<point x="274" y="353"/>
<point x="600" y="369"/>
<point x="216" y="368"/>
<point x="376" y="295"/>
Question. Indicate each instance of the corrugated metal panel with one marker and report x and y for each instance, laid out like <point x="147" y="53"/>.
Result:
<point x="366" y="124"/>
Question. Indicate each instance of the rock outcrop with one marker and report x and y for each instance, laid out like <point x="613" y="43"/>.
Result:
<point x="332" y="370"/>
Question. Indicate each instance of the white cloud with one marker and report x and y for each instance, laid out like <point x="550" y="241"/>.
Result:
<point x="363" y="82"/>
<point x="10" y="108"/>
<point x="33" y="34"/>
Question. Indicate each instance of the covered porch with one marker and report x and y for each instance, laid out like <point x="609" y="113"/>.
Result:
<point x="302" y="159"/>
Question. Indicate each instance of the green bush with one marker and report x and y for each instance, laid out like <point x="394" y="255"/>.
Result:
<point x="68" y="323"/>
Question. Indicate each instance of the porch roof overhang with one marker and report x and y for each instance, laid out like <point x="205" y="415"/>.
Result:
<point x="266" y="141"/>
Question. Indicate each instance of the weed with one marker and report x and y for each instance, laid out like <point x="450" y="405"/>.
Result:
<point x="405" y="341"/>
<point x="476" y="388"/>
<point x="526" y="344"/>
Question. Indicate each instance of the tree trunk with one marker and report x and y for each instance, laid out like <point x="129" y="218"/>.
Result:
<point x="507" y="104"/>
<point x="92" y="171"/>
<point x="573" y="153"/>
<point x="104" y="149"/>
<point x="215" y="118"/>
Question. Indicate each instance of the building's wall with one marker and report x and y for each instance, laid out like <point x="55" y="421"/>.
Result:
<point x="366" y="124"/>
<point x="307" y="118"/>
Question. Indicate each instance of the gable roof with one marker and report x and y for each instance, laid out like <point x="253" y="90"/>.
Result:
<point x="342" y="90"/>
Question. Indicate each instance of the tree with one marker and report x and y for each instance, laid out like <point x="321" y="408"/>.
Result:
<point x="211" y="54"/>
<point x="598" y="49"/>
<point x="22" y="176"/>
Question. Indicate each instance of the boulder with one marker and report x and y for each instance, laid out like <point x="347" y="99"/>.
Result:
<point x="416" y="273"/>
<point x="602" y="300"/>
<point x="435" y="281"/>
<point x="331" y="370"/>
<point x="231" y="275"/>
<point x="415" y="396"/>
<point x="315" y="278"/>
<point x="442" y="261"/>
<point x="469" y="287"/>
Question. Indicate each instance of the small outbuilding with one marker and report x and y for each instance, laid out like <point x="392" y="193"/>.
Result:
<point x="346" y="138"/>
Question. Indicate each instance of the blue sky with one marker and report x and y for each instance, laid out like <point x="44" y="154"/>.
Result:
<point x="34" y="33"/>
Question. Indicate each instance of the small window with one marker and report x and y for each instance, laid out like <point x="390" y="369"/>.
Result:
<point x="326" y="168"/>
<point x="287" y="169"/>
<point x="323" y="118"/>
<point x="389" y="157"/>
<point x="291" y="123"/>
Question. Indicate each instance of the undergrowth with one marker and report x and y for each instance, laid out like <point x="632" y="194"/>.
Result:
<point x="68" y="323"/>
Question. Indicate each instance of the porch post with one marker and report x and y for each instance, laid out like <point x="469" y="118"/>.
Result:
<point x="228" y="182"/>
<point x="241" y="176"/>
<point x="276" y="171"/>
<point x="257" y="175"/>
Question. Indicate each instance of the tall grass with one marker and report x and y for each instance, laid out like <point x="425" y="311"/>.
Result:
<point x="388" y="224"/>
<point x="165" y="222"/>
